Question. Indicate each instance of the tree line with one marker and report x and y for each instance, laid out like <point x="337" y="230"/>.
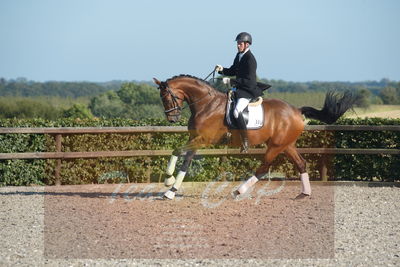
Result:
<point x="21" y="98"/>
<point x="24" y="88"/>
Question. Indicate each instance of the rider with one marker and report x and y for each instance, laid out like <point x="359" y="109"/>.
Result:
<point x="244" y="68"/>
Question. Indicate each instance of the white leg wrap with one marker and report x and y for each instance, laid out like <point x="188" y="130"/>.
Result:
<point x="179" y="179"/>
<point x="171" y="165"/>
<point x="305" y="184"/>
<point x="169" y="181"/>
<point x="246" y="185"/>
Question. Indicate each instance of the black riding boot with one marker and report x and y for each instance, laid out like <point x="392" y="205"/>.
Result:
<point x="243" y="133"/>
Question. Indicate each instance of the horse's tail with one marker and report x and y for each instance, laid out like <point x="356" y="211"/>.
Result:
<point x="335" y="106"/>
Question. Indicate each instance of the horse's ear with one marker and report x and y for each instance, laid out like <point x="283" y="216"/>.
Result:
<point x="157" y="81"/>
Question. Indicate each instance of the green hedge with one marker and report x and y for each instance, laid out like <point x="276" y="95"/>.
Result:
<point x="204" y="168"/>
<point x="367" y="167"/>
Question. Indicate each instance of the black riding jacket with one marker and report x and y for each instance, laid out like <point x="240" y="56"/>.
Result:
<point x="246" y="78"/>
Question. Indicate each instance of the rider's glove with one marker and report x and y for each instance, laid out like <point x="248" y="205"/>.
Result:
<point x="219" y="68"/>
<point x="226" y="81"/>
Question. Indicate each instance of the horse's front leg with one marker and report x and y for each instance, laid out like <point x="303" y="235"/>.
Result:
<point x="170" y="194"/>
<point x="170" y="180"/>
<point x="176" y="183"/>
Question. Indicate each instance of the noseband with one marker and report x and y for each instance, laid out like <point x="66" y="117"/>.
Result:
<point x="174" y="97"/>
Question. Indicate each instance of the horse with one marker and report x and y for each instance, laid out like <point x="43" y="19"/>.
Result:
<point x="207" y="125"/>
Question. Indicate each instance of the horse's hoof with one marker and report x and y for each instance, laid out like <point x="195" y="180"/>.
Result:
<point x="235" y="194"/>
<point x="169" y="181"/>
<point x="169" y="195"/>
<point x="301" y="196"/>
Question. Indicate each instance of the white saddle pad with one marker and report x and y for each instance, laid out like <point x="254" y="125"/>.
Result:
<point x="256" y="117"/>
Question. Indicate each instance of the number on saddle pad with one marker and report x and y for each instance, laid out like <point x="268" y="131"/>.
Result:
<point x="253" y="113"/>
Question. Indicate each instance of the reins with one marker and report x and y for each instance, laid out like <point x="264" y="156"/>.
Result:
<point x="213" y="74"/>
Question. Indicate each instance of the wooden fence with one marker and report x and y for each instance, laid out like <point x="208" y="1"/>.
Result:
<point x="59" y="154"/>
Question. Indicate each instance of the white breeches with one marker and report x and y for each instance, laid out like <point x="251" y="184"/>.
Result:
<point x="241" y="104"/>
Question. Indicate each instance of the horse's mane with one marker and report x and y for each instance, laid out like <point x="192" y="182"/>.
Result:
<point x="191" y="76"/>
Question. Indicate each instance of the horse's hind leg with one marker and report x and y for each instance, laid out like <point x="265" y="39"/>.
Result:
<point x="300" y="164"/>
<point x="272" y="151"/>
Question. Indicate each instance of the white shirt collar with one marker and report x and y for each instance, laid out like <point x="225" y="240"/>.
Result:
<point x="241" y="54"/>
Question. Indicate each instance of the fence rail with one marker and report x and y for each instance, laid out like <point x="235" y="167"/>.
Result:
<point x="175" y="129"/>
<point x="214" y="152"/>
<point x="60" y="131"/>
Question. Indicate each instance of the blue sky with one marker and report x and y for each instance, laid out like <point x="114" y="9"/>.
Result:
<point x="293" y="40"/>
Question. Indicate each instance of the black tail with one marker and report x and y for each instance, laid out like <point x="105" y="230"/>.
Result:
<point x="335" y="106"/>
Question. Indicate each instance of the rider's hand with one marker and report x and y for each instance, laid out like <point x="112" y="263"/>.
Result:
<point x="226" y="81"/>
<point x="219" y="68"/>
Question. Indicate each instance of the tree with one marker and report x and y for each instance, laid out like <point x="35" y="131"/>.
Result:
<point x="27" y="108"/>
<point x="131" y="93"/>
<point x="389" y="95"/>
<point x="78" y="111"/>
<point x="363" y="98"/>
<point x="107" y="105"/>
<point x="135" y="101"/>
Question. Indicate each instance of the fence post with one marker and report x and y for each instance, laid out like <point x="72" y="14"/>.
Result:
<point x="323" y="171"/>
<point x="58" y="161"/>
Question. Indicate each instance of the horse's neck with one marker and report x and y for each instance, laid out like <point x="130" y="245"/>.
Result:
<point x="199" y="96"/>
<point x="194" y="92"/>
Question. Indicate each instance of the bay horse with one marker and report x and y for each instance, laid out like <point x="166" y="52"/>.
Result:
<point x="283" y="125"/>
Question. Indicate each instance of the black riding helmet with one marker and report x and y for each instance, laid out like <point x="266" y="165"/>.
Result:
<point x="244" y="37"/>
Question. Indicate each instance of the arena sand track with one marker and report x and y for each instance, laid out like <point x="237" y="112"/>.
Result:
<point x="130" y="225"/>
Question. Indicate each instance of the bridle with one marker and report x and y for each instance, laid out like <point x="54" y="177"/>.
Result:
<point x="175" y="98"/>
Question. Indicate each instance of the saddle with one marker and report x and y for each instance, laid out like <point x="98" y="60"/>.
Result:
<point x="253" y="114"/>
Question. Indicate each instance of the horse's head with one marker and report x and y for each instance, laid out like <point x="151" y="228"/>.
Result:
<point x="172" y="101"/>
